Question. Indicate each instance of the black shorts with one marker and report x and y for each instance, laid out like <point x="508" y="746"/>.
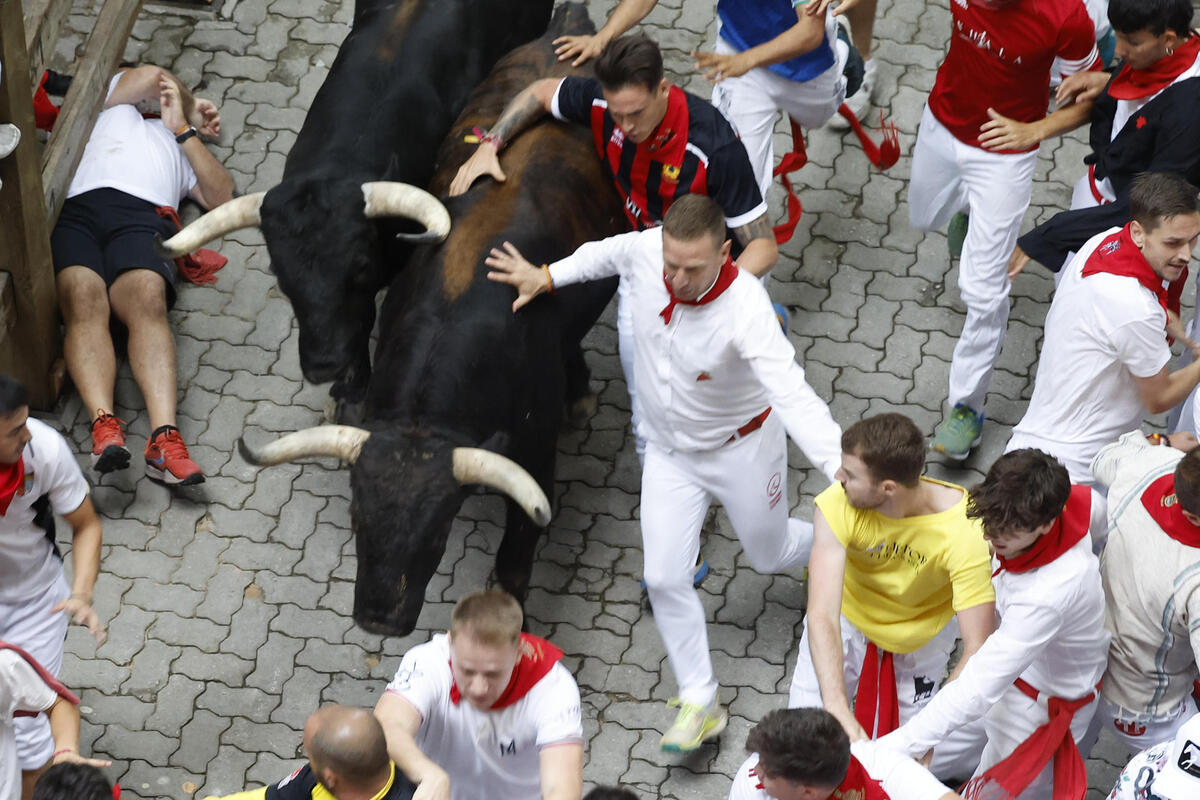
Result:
<point x="110" y="232"/>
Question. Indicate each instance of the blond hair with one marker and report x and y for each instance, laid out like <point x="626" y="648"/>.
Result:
<point x="492" y="617"/>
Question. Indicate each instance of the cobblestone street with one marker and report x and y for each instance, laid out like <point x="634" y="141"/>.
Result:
<point x="228" y="605"/>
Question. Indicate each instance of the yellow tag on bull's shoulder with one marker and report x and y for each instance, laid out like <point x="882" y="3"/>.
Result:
<point x="471" y="138"/>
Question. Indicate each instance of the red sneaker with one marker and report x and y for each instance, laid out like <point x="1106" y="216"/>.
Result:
<point x="108" y="444"/>
<point x="167" y="459"/>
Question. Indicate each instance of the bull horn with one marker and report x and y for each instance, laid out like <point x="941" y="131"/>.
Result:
<point x="240" y="212"/>
<point x="474" y="465"/>
<point x="340" y="441"/>
<point x="392" y="199"/>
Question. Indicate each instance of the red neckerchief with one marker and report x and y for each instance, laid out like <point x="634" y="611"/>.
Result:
<point x="877" y="701"/>
<point x="1071" y="526"/>
<point x="724" y="278"/>
<point x="1160" y="502"/>
<point x="859" y="784"/>
<point x="199" y="267"/>
<point x="12" y="477"/>
<point x="538" y="657"/>
<point x="1118" y="255"/>
<point x="47" y="678"/>
<point x="1134" y="84"/>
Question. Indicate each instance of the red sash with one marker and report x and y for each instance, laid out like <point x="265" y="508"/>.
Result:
<point x="724" y="278"/>
<point x="1007" y="779"/>
<point x="538" y="657"/>
<point x="1071" y="526"/>
<point x="877" y="701"/>
<point x="46" y="677"/>
<point x="1160" y="502"/>
<point x="12" y="478"/>
<point x="199" y="267"/>
<point x="1134" y="84"/>
<point x="1118" y="255"/>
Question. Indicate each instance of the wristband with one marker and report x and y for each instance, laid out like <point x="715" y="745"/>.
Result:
<point x="185" y="134"/>
<point x="60" y="752"/>
<point x="549" y="280"/>
<point x="493" y="138"/>
<point x="1157" y="438"/>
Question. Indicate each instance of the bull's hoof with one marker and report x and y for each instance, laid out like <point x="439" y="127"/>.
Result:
<point x="582" y="410"/>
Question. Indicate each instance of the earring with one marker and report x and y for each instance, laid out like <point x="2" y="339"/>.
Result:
<point x="1170" y="51"/>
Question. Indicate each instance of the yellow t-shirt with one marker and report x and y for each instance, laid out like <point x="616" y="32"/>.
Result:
<point x="905" y="578"/>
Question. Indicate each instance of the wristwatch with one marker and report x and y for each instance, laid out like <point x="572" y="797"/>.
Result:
<point x="186" y="134"/>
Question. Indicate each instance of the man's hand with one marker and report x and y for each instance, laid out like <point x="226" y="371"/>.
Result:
<point x="72" y="757"/>
<point x="172" y="104"/>
<point x="1082" y="87"/>
<point x="1183" y="440"/>
<point x="434" y="786"/>
<point x="1002" y="133"/>
<point x="485" y="161"/>
<point x="205" y="118"/>
<point x="581" y="48"/>
<point x="814" y="7"/>
<point x="512" y="268"/>
<point x="1017" y="262"/>
<point x="79" y="610"/>
<point x="717" y="66"/>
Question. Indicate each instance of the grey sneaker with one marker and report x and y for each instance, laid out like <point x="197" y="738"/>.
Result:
<point x="959" y="433"/>
<point x="10" y="137"/>
<point x="693" y="724"/>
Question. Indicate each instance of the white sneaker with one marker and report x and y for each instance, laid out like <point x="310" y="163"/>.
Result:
<point x="860" y="101"/>
<point x="10" y="137"/>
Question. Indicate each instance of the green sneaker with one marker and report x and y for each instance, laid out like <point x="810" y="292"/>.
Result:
<point x="956" y="233"/>
<point x="956" y="436"/>
<point x="693" y="724"/>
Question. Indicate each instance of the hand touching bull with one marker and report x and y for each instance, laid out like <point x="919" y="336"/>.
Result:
<point x="512" y="268"/>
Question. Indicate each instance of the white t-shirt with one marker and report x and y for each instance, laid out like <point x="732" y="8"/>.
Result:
<point x="138" y="156"/>
<point x="901" y="777"/>
<point x="1101" y="332"/>
<point x="487" y="754"/>
<point x="713" y="367"/>
<point x="1137" y="779"/>
<point x="21" y="689"/>
<point x="28" y="565"/>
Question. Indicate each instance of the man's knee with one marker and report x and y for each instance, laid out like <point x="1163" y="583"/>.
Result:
<point x="82" y="295"/>
<point x="667" y="578"/>
<point x="139" y="295"/>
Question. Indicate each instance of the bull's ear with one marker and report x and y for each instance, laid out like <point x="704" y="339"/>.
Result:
<point x="498" y="442"/>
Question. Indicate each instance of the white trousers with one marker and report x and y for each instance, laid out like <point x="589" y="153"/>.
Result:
<point x="752" y="102"/>
<point x="1012" y="720"/>
<point x="947" y="177"/>
<point x="31" y="626"/>
<point x="749" y="478"/>
<point x="1137" y="731"/>
<point x="919" y="674"/>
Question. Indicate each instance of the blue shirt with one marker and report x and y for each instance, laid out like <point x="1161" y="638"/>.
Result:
<point x="749" y="23"/>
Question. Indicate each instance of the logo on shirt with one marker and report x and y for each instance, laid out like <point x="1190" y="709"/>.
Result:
<point x="922" y="688"/>
<point x="618" y="137"/>
<point x="774" y="490"/>
<point x="1111" y="247"/>
<point x="508" y="748"/>
<point x="1141" y="123"/>
<point x="849" y="794"/>
<point x="1129" y="727"/>
<point x="670" y="173"/>
<point x="983" y="40"/>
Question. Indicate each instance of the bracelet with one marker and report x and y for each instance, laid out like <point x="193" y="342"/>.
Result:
<point x="1157" y="438"/>
<point x="186" y="134"/>
<point x="60" y="752"/>
<point x="493" y="138"/>
<point x="549" y="280"/>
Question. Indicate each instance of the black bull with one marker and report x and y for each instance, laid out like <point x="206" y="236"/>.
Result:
<point x="401" y="77"/>
<point x="456" y="368"/>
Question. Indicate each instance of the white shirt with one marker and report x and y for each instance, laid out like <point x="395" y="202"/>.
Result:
<point x="1152" y="582"/>
<point x="138" y="156"/>
<point x="713" y="367"/>
<point x="1051" y="634"/>
<point x="1137" y="779"/>
<point x="1101" y="332"/>
<point x="28" y="565"/>
<point x="487" y="754"/>
<point x="21" y="688"/>
<point x="901" y="777"/>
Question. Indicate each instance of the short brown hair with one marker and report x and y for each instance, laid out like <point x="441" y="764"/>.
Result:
<point x="1155" y="197"/>
<point x="891" y="445"/>
<point x="693" y="216"/>
<point x="1187" y="482"/>
<point x="493" y="617"/>
<point x="1022" y="491"/>
<point x="630" y="60"/>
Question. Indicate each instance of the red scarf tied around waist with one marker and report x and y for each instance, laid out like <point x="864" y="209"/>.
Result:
<point x="1134" y="84"/>
<point x="725" y="277"/>
<point x="201" y="266"/>
<point x="46" y="677"/>
<point x="1071" y="526"/>
<point x="12" y="478"/>
<point x="537" y="658"/>
<point x="1118" y="255"/>
<point x="877" y="702"/>
<point x="1160" y="502"/>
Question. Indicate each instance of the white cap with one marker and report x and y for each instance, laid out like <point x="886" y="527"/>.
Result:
<point x="1180" y="777"/>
